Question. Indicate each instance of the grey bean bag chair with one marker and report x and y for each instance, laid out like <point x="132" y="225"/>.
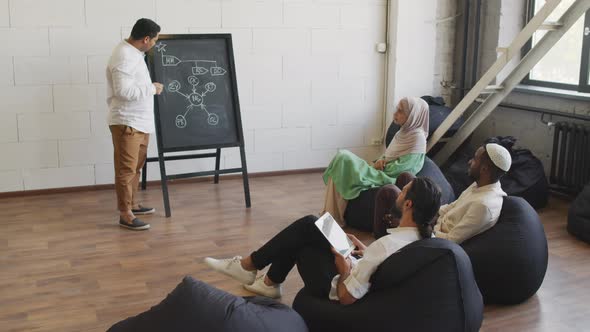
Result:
<point x="197" y="306"/>
<point x="578" y="218"/>
<point x="426" y="286"/>
<point x="510" y="259"/>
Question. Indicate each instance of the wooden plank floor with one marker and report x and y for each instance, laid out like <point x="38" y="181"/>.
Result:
<point x="65" y="265"/>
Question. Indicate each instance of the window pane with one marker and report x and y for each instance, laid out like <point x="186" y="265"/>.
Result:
<point x="562" y="63"/>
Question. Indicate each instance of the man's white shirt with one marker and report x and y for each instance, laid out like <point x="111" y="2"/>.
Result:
<point x="357" y="282"/>
<point x="475" y="211"/>
<point x="129" y="89"/>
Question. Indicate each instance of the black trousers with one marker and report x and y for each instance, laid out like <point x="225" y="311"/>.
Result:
<point x="303" y="244"/>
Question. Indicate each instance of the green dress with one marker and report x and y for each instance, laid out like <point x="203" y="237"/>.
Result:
<point x="351" y="174"/>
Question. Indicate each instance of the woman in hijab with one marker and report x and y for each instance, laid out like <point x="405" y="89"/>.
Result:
<point x="348" y="175"/>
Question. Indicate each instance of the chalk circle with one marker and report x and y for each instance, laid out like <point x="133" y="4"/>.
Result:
<point x="173" y="86"/>
<point x="210" y="87"/>
<point x="193" y="80"/>
<point x="180" y="121"/>
<point x="213" y="119"/>
<point x="195" y="99"/>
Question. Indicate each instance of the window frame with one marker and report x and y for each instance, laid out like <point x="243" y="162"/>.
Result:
<point x="583" y="85"/>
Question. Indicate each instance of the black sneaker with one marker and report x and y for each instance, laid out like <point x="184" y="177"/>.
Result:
<point x="136" y="225"/>
<point x="143" y="210"/>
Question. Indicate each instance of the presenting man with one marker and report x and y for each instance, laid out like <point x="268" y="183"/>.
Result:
<point x="130" y="98"/>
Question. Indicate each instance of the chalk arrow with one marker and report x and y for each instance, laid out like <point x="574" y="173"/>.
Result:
<point x="216" y="71"/>
<point x="170" y="60"/>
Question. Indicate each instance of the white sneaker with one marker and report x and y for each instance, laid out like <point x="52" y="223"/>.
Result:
<point x="232" y="267"/>
<point x="260" y="288"/>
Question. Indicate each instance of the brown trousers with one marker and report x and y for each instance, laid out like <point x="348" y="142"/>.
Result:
<point x="130" y="152"/>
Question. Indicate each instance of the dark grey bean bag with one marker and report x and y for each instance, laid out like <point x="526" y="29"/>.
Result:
<point x="360" y="211"/>
<point x="426" y="286"/>
<point x="578" y="218"/>
<point x="197" y="306"/>
<point x="510" y="259"/>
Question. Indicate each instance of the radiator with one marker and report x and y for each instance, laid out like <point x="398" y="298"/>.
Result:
<point x="570" y="162"/>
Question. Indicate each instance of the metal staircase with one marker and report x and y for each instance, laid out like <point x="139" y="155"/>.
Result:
<point x="497" y="93"/>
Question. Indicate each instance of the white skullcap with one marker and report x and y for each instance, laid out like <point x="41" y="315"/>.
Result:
<point x="499" y="156"/>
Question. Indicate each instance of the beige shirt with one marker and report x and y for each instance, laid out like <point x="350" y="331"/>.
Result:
<point x="130" y="92"/>
<point x="357" y="282"/>
<point x="475" y="211"/>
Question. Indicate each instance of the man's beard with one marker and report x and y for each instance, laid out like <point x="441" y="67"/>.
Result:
<point x="472" y="175"/>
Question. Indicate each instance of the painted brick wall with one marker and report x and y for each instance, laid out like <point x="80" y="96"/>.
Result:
<point x="309" y="77"/>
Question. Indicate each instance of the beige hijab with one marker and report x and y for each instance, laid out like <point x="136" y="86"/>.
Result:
<point x="411" y="138"/>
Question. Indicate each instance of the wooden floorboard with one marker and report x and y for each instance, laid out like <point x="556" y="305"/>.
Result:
<point x="65" y="265"/>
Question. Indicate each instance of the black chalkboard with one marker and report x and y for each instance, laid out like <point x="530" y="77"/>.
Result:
<point x="199" y="106"/>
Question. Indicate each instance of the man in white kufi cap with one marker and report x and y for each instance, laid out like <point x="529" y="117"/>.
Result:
<point x="478" y="207"/>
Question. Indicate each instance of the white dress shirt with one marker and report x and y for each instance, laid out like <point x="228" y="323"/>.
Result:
<point x="357" y="282"/>
<point x="129" y="89"/>
<point x="475" y="211"/>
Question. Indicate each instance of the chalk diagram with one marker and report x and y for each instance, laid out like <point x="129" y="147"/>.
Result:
<point x="196" y="98"/>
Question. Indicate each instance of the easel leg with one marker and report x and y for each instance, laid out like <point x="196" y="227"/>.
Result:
<point x="164" y="181"/>
<point x="217" y="160"/>
<point x="245" y="176"/>
<point x="144" y="176"/>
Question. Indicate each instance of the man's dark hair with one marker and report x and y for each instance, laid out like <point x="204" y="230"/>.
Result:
<point x="144" y="27"/>
<point x="425" y="197"/>
<point x="495" y="172"/>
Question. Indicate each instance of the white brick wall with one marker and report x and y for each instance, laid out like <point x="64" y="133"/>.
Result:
<point x="282" y="41"/>
<point x="98" y="124"/>
<point x="309" y="82"/>
<point x="261" y="117"/>
<point x="8" y="128"/>
<point x="95" y="150"/>
<point x="287" y="140"/>
<point x="309" y="159"/>
<point x="44" y="178"/>
<point x="97" y="65"/>
<point x="260" y="66"/>
<point x="196" y="13"/>
<point x="337" y="137"/>
<point x="51" y="126"/>
<point x="307" y="14"/>
<point x="119" y="13"/>
<point x="25" y="41"/>
<point x="34" y="13"/>
<point x="74" y="98"/>
<point x="281" y="92"/>
<point x="86" y="41"/>
<point x="4" y="17"/>
<point x="6" y="71"/>
<point x="105" y="173"/>
<point x="251" y="13"/>
<point x="29" y="155"/>
<point x="241" y="38"/>
<point x="11" y="181"/>
<point x="50" y="70"/>
<point x="301" y="115"/>
<point x="297" y="67"/>
<point x="26" y="99"/>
